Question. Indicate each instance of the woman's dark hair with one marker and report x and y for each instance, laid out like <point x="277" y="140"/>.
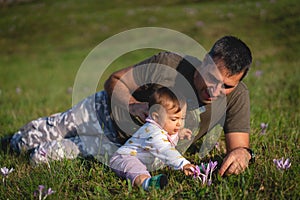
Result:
<point x="235" y="54"/>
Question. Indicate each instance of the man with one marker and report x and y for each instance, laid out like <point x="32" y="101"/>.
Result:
<point x="231" y="61"/>
<point x="116" y="111"/>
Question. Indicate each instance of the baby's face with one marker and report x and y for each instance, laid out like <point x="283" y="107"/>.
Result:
<point x="172" y="121"/>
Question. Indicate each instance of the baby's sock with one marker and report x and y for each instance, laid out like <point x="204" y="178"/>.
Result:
<point x="158" y="182"/>
<point x="145" y="184"/>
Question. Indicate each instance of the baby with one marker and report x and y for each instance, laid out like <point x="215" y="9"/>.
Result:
<point x="156" y="139"/>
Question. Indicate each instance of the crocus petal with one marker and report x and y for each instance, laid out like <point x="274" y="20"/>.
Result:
<point x="196" y="171"/>
<point x="277" y="163"/>
<point x="208" y="169"/>
<point x="41" y="187"/>
<point x="204" y="178"/>
<point x="213" y="165"/>
<point x="263" y="127"/>
<point x="203" y="167"/>
<point x="209" y="182"/>
<point x="50" y="191"/>
<point x="198" y="168"/>
<point x="4" y="170"/>
<point x="287" y="164"/>
<point x="280" y="162"/>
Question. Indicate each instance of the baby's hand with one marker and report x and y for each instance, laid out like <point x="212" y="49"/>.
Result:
<point x="185" y="134"/>
<point x="189" y="169"/>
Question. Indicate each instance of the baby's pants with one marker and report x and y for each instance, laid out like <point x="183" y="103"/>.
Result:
<point x="128" y="167"/>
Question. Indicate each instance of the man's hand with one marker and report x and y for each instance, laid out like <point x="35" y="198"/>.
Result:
<point x="235" y="162"/>
<point x="139" y="110"/>
<point x="189" y="169"/>
<point x="185" y="134"/>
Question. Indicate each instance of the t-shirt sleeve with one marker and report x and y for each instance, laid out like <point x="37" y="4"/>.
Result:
<point x="238" y="111"/>
<point x="158" y="69"/>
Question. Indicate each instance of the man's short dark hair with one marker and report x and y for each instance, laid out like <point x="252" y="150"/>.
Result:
<point x="235" y="54"/>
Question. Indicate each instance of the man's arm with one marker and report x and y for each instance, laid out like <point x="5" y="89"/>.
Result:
<point x="120" y="85"/>
<point x="238" y="157"/>
<point x="125" y="83"/>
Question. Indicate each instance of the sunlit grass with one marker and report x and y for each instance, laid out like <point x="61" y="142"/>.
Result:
<point x="43" y="44"/>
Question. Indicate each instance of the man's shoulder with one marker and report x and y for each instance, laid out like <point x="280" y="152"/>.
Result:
<point x="240" y="93"/>
<point x="240" y="88"/>
<point x="169" y="58"/>
<point x="172" y="59"/>
<point x="167" y="55"/>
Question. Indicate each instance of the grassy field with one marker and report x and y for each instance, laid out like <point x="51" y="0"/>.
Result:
<point x="43" y="43"/>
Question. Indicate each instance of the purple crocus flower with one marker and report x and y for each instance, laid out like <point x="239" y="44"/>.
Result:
<point x="196" y="171"/>
<point x="40" y="191"/>
<point x="5" y="171"/>
<point x="258" y="73"/>
<point x="207" y="169"/>
<point x="199" y="24"/>
<point x="49" y="191"/>
<point x="18" y="90"/>
<point x="263" y="127"/>
<point x="41" y="188"/>
<point x="43" y="195"/>
<point x="217" y="146"/>
<point x="213" y="166"/>
<point x="199" y="175"/>
<point x="282" y="164"/>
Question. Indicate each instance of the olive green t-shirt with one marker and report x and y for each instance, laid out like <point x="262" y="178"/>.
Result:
<point x="174" y="70"/>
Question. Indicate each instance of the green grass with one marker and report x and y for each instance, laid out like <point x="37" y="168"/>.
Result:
<point x="43" y="44"/>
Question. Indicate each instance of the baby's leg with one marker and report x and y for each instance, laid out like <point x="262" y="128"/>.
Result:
<point x="130" y="168"/>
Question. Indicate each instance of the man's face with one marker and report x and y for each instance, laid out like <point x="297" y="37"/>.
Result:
<point x="214" y="80"/>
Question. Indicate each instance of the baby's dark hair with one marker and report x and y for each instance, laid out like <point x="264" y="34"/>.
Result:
<point x="167" y="98"/>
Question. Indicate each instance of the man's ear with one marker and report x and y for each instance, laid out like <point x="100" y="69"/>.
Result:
<point x="154" y="116"/>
